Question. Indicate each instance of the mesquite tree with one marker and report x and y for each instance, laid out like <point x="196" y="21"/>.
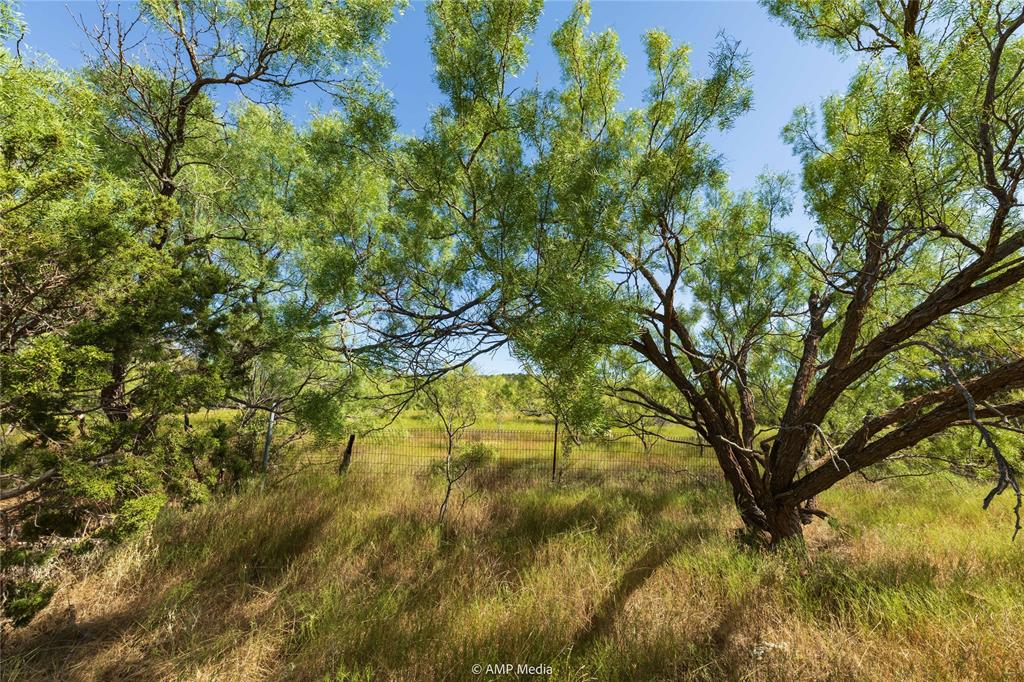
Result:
<point x="156" y="76"/>
<point x="454" y="401"/>
<point x="163" y="254"/>
<point x="559" y="221"/>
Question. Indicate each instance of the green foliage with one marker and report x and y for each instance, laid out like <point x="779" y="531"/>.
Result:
<point x="319" y="34"/>
<point x="11" y="23"/>
<point x="471" y="457"/>
<point x="476" y="45"/>
<point x="162" y="257"/>
<point x="137" y="514"/>
<point x="22" y="600"/>
<point x="455" y="400"/>
<point x="605" y="245"/>
<point x="571" y="146"/>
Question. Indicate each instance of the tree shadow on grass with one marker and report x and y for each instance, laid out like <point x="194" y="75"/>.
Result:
<point x="211" y="593"/>
<point x="63" y="646"/>
<point x="520" y="526"/>
<point x="530" y="524"/>
<point x="602" y="620"/>
<point x="510" y="473"/>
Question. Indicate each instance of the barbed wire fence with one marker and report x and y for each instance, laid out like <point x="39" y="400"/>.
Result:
<point x="524" y="455"/>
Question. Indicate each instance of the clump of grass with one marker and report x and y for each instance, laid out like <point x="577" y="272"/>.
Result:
<point x="349" y="579"/>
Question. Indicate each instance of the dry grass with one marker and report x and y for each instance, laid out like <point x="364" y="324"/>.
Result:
<point x="350" y="580"/>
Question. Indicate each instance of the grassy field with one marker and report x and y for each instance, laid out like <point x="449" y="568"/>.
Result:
<point x="418" y="419"/>
<point x="324" y="578"/>
<point x="519" y="453"/>
<point x="516" y="446"/>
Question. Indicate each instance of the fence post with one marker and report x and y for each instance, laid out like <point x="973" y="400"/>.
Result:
<point x="266" y="447"/>
<point x="346" y="456"/>
<point x="554" y="453"/>
<point x="266" y="441"/>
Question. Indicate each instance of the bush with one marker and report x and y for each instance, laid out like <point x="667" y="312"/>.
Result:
<point x="136" y="514"/>
<point x="464" y="460"/>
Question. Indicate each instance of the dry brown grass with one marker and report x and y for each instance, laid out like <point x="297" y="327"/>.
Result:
<point x="328" y="579"/>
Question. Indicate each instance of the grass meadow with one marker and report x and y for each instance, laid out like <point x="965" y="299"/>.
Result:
<point x="349" y="578"/>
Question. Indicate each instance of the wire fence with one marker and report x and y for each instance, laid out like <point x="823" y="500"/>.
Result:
<point x="526" y="454"/>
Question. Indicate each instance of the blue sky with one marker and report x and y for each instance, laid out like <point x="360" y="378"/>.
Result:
<point x="787" y="73"/>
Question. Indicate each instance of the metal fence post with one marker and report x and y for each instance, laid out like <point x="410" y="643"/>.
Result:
<point x="554" y="453"/>
<point x="266" y="447"/>
<point x="266" y="441"/>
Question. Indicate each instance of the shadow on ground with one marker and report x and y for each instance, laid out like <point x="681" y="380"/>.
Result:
<point x="61" y="645"/>
<point x="602" y="621"/>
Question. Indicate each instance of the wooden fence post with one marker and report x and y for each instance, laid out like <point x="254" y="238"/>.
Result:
<point x="346" y="456"/>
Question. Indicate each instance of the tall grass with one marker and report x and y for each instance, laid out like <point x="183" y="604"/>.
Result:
<point x="350" y="579"/>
